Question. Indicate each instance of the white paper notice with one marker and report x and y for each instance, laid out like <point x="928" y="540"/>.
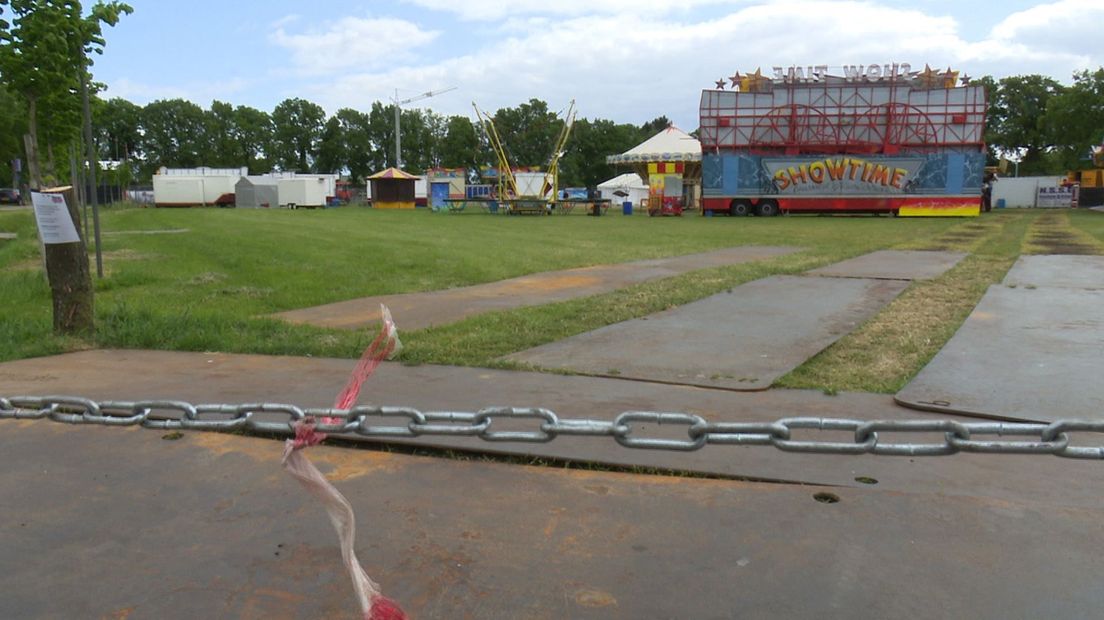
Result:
<point x="53" y="219"/>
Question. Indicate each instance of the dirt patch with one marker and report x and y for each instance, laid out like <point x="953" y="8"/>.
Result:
<point x="1053" y="234"/>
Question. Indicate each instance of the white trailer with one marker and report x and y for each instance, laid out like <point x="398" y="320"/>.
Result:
<point x="304" y="191"/>
<point x="188" y="187"/>
<point x="188" y="191"/>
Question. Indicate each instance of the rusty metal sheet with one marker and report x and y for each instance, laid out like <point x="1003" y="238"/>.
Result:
<point x="419" y="310"/>
<point x="1023" y="354"/>
<point x="120" y="523"/>
<point x="1057" y="270"/>
<point x="893" y="265"/>
<point x="743" y="339"/>
<point x="308" y="382"/>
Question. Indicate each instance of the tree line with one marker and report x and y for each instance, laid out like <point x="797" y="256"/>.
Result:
<point x="1045" y="126"/>
<point x="45" y="68"/>
<point x="297" y="135"/>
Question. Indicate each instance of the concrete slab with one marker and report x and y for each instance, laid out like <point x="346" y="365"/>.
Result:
<point x="420" y="310"/>
<point x="1023" y="354"/>
<point x="312" y="382"/>
<point x="893" y="265"/>
<point x="1057" y="270"/>
<point x="119" y="523"/>
<point x="744" y="339"/>
<point x="7" y="236"/>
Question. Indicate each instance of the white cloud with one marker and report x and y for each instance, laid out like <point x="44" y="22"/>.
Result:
<point x="498" y="9"/>
<point x="200" y="93"/>
<point x="634" y="65"/>
<point x="352" y="43"/>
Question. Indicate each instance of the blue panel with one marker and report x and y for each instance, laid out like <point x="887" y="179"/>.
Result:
<point x="439" y="194"/>
<point x="956" y="172"/>
<point x="731" y="174"/>
<point x="712" y="174"/>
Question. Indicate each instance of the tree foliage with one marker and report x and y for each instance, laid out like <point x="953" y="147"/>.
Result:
<point x="1015" y="120"/>
<point x="44" y="56"/>
<point x="298" y="127"/>
<point x="1075" y="120"/>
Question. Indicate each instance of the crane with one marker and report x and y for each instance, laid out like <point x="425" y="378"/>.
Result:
<point x="398" y="105"/>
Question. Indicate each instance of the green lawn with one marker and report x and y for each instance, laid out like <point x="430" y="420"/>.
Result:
<point x="208" y="288"/>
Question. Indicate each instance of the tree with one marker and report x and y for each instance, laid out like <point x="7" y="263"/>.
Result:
<point x="460" y="146"/>
<point x="652" y="127"/>
<point x="1074" y="120"/>
<point x="298" y="127"/>
<point x="223" y="150"/>
<point x="44" y="58"/>
<point x="254" y="135"/>
<point x="174" y="134"/>
<point x="13" y="124"/>
<point x="528" y="132"/>
<point x="1016" y="119"/>
<point x="381" y="126"/>
<point x="117" y="128"/>
<point x="590" y="143"/>
<point x="332" y="151"/>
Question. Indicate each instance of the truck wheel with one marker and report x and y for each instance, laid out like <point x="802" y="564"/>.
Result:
<point x="739" y="208"/>
<point x="767" y="208"/>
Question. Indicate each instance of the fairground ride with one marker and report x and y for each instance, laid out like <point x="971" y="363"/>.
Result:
<point x="527" y="196"/>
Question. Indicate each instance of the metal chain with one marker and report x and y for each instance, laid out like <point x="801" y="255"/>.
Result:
<point x="866" y="435"/>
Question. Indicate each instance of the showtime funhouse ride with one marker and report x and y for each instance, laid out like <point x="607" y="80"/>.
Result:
<point x="870" y="139"/>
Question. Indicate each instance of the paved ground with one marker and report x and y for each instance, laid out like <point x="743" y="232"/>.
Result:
<point x="1057" y="271"/>
<point x="1032" y="349"/>
<point x="313" y="382"/>
<point x="419" y="310"/>
<point x="893" y="265"/>
<point x="743" y="339"/>
<point x="120" y="523"/>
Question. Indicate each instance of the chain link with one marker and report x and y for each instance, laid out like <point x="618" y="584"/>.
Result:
<point x="864" y="436"/>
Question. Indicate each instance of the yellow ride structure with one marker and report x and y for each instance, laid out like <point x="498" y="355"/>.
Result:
<point x="507" y="182"/>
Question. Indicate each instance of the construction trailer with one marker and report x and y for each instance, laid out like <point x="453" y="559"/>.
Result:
<point x="873" y="139"/>
<point x="301" y="192"/>
<point x="192" y="187"/>
<point x="256" y="192"/>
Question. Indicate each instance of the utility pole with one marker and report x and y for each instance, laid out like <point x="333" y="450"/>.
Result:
<point x="398" y="106"/>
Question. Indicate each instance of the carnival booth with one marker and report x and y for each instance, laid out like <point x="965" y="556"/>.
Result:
<point x="670" y="161"/>
<point x="392" y="189"/>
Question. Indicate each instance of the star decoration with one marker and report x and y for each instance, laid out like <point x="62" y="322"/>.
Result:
<point x="753" y="82"/>
<point x="965" y="79"/>
<point x="950" y="78"/>
<point x="929" y="78"/>
<point x="720" y="84"/>
<point x="735" y="79"/>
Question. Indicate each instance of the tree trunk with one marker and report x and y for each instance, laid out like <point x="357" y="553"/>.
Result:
<point x="70" y="280"/>
<point x="30" y="142"/>
<point x="51" y="176"/>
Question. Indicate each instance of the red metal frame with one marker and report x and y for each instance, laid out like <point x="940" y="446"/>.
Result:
<point x="836" y="116"/>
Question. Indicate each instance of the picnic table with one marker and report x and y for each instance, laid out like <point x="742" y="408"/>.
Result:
<point x="593" y="206"/>
<point x="527" y="206"/>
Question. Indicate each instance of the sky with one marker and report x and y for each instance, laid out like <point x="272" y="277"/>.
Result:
<point x="628" y="61"/>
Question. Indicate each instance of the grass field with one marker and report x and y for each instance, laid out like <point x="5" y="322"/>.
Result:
<point x="206" y="278"/>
